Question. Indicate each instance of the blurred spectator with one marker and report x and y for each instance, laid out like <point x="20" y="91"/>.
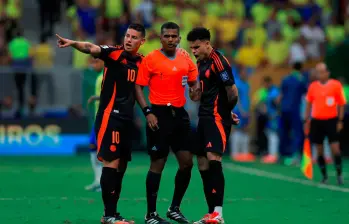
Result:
<point x="285" y="12"/>
<point x="326" y="10"/>
<point x="309" y="10"/>
<point x="335" y="33"/>
<point x="277" y="50"/>
<point x="261" y="12"/>
<point x="240" y="139"/>
<point x="47" y="13"/>
<point x="145" y="12"/>
<point x="315" y="37"/>
<point x="10" y="13"/>
<point x="273" y="25"/>
<point x="43" y="58"/>
<point x="19" y="50"/>
<point x="250" y="55"/>
<point x="83" y="17"/>
<point x="6" y="104"/>
<point x="152" y="42"/>
<point x="290" y="31"/>
<point x="238" y="9"/>
<point x="228" y="27"/>
<point x="111" y="11"/>
<point x="257" y="33"/>
<point x="297" y="51"/>
<point x="293" y="89"/>
<point x="273" y="93"/>
<point x="4" y="58"/>
<point x="121" y="28"/>
<point x="80" y="61"/>
<point x="259" y="99"/>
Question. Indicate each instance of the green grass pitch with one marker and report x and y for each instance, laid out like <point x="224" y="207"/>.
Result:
<point x="41" y="190"/>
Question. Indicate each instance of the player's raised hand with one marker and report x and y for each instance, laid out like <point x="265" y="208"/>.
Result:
<point x="236" y="119"/>
<point x="195" y="93"/>
<point x="63" y="42"/>
<point x="152" y="121"/>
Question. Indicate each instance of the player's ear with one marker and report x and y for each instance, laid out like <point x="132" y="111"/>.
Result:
<point x="142" y="41"/>
<point x="179" y="39"/>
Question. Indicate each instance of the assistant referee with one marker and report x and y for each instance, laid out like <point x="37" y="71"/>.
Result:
<point x="325" y="101"/>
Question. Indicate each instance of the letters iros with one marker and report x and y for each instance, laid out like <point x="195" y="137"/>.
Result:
<point x="32" y="134"/>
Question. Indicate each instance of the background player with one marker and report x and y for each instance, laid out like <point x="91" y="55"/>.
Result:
<point x="166" y="71"/>
<point x="218" y="98"/>
<point x="326" y="101"/>
<point x="240" y="139"/>
<point x="97" y="66"/>
<point x="115" y="114"/>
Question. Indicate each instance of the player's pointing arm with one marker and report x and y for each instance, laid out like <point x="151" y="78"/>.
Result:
<point x="84" y="47"/>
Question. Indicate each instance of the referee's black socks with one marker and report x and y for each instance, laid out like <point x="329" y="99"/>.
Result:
<point x="217" y="182"/>
<point x="205" y="176"/>
<point x="338" y="164"/>
<point x="182" y="180"/>
<point x="322" y="164"/>
<point x="108" y="185"/>
<point x="153" y="184"/>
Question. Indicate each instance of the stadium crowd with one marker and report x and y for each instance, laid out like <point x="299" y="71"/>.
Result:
<point x="252" y="35"/>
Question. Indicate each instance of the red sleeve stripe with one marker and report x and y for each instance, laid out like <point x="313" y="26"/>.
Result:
<point x="218" y="62"/>
<point x="115" y="54"/>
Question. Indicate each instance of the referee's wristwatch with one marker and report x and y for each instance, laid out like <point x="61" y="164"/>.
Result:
<point x="147" y="110"/>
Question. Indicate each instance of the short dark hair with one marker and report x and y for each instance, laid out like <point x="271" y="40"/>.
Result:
<point x="169" y="25"/>
<point x="138" y="27"/>
<point x="199" y="33"/>
<point x="298" y="66"/>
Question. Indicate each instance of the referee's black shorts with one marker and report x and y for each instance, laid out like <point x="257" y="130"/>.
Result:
<point x="319" y="129"/>
<point x="174" y="132"/>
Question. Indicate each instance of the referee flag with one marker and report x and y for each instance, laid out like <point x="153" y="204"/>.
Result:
<point x="307" y="166"/>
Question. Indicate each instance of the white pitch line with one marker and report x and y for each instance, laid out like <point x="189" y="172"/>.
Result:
<point x="185" y="200"/>
<point x="277" y="176"/>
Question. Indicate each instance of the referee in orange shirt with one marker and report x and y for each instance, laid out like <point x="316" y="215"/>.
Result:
<point x="325" y="101"/>
<point x="166" y="72"/>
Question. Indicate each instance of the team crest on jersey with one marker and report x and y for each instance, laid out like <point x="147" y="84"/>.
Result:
<point x="104" y="46"/>
<point x="207" y="73"/>
<point x="224" y="76"/>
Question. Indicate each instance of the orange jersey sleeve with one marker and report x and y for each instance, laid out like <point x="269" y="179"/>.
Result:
<point x="340" y="97"/>
<point x="144" y="71"/>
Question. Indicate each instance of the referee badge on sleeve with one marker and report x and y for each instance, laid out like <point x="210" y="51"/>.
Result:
<point x="184" y="80"/>
<point x="224" y="76"/>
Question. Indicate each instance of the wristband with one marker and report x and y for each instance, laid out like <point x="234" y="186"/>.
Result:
<point x="146" y="110"/>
